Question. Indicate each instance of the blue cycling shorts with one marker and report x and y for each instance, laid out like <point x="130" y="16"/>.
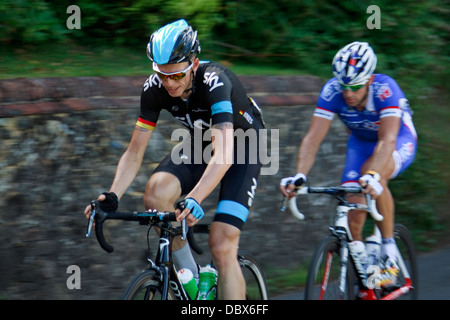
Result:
<point x="359" y="150"/>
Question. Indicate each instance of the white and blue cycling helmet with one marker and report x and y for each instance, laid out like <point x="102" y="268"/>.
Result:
<point x="174" y="43"/>
<point x="354" y="64"/>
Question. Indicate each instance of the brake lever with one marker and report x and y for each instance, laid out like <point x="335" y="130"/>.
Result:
<point x="284" y="204"/>
<point x="183" y="229"/>
<point x="91" y="218"/>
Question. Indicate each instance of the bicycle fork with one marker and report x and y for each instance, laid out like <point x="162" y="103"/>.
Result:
<point x="343" y="270"/>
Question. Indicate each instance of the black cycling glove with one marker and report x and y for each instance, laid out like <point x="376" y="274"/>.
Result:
<point x="111" y="203"/>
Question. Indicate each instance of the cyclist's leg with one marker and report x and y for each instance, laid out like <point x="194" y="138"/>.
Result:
<point x="169" y="181"/>
<point x="224" y="242"/>
<point x="237" y="191"/>
<point x="358" y="151"/>
<point x="385" y="201"/>
<point x="162" y="191"/>
<point x="401" y="158"/>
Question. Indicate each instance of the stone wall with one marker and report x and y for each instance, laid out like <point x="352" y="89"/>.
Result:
<point x="60" y="142"/>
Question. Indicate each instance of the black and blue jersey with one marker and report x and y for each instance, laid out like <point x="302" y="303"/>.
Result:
<point x="218" y="97"/>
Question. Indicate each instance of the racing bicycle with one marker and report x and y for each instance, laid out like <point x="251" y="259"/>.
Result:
<point x="334" y="273"/>
<point x="160" y="280"/>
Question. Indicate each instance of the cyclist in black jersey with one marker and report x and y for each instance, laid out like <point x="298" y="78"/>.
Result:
<point x="211" y="103"/>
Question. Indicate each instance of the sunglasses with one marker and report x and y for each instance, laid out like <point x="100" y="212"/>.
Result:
<point x="175" y="76"/>
<point x="353" y="88"/>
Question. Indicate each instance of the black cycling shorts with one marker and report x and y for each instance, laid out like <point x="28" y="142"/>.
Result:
<point x="237" y="188"/>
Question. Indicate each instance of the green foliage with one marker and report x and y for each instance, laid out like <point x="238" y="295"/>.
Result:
<point x="132" y="22"/>
<point x="301" y="34"/>
<point x="28" y="21"/>
<point x="306" y="34"/>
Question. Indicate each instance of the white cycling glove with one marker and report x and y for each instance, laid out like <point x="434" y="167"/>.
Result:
<point x="299" y="179"/>
<point x="370" y="179"/>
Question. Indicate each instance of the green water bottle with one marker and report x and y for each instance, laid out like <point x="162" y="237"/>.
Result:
<point x="207" y="285"/>
<point x="186" y="278"/>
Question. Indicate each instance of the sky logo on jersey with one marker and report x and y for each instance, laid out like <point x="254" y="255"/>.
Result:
<point x="153" y="80"/>
<point x="212" y="80"/>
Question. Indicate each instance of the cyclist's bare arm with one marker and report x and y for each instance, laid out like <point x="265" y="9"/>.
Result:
<point x="382" y="160"/>
<point x="129" y="164"/>
<point x="308" y="149"/>
<point x="310" y="145"/>
<point x="131" y="161"/>
<point x="222" y="137"/>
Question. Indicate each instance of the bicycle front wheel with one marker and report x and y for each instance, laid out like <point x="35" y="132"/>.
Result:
<point x="325" y="271"/>
<point x="408" y="254"/>
<point x="255" y="280"/>
<point x="145" y="286"/>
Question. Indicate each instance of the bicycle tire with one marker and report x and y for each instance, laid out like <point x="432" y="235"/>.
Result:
<point x="256" y="287"/>
<point x="145" y="286"/>
<point x="255" y="281"/>
<point x="406" y="248"/>
<point x="323" y="285"/>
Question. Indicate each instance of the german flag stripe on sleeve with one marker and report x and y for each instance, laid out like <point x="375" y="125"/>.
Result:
<point x="145" y="124"/>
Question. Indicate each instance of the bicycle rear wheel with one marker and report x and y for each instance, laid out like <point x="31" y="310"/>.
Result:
<point x="255" y="280"/>
<point x="145" y="286"/>
<point x="408" y="254"/>
<point x="323" y="276"/>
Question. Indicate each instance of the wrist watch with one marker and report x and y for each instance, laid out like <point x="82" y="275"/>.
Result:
<point x="374" y="174"/>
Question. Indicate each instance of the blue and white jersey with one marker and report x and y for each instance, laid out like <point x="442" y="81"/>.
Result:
<point x="386" y="99"/>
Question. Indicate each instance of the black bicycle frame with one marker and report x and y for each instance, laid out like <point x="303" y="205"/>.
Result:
<point x="164" y="266"/>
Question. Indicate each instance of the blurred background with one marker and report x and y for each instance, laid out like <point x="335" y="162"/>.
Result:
<point x="254" y="38"/>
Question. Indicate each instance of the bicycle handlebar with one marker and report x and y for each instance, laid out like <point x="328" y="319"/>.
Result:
<point x="337" y="191"/>
<point x="100" y="216"/>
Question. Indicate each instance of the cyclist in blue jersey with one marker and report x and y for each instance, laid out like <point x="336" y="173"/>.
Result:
<point x="204" y="97"/>
<point x="382" y="141"/>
